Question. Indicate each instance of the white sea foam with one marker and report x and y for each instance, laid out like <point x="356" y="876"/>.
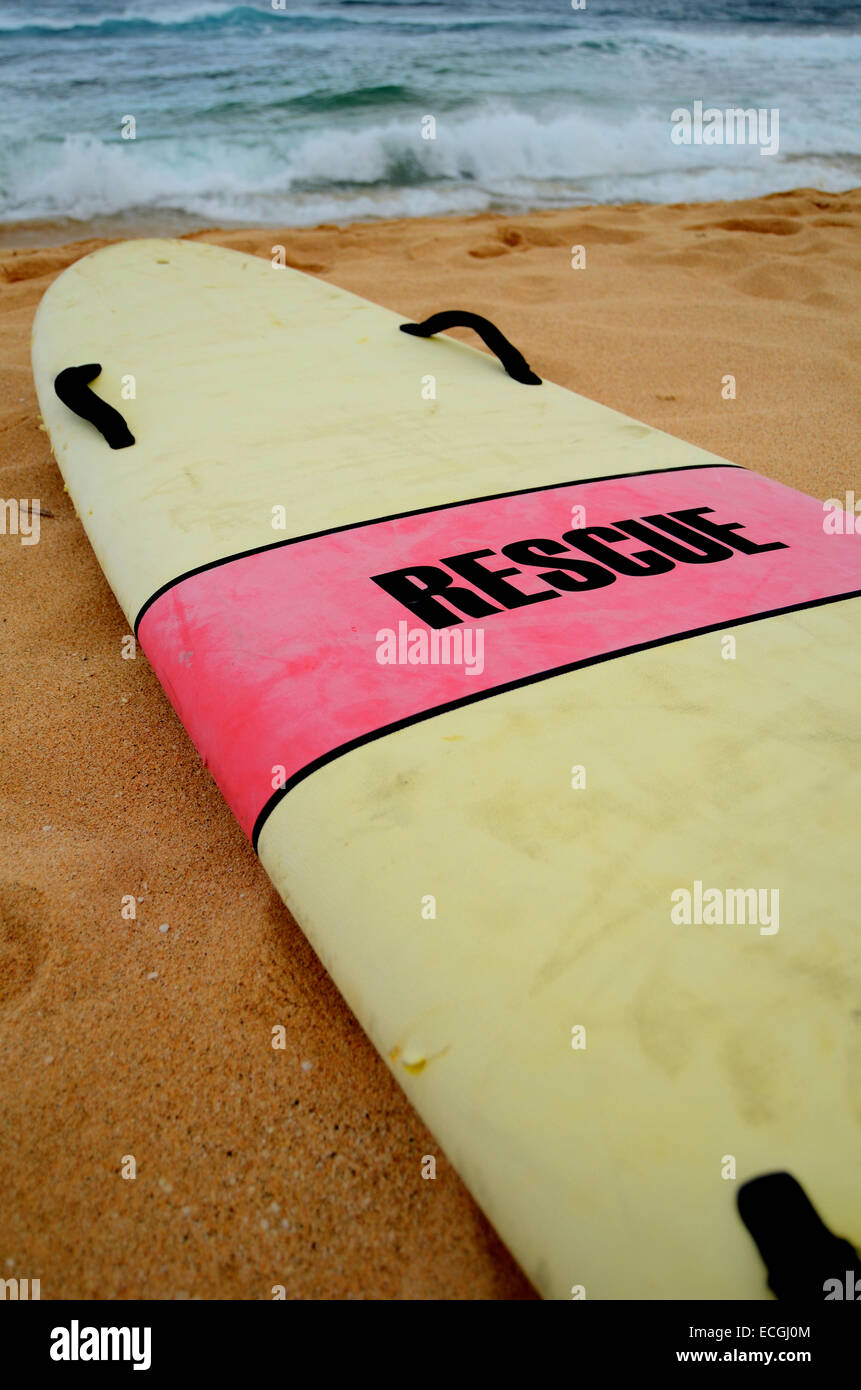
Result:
<point x="168" y="15"/>
<point x="495" y="157"/>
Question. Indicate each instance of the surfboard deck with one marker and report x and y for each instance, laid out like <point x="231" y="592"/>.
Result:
<point x="492" y="863"/>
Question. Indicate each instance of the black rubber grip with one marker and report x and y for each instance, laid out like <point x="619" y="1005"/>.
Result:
<point x="73" y="388"/>
<point x="797" y="1248"/>
<point x="513" y="361"/>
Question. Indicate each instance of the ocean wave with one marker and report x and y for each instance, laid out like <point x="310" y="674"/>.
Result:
<point x="353" y="99"/>
<point x="491" y="159"/>
<point x="178" y="17"/>
<point x="678" y="40"/>
<point x="249" y="16"/>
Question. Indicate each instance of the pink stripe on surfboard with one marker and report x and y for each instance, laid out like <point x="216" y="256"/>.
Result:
<point x="271" y="660"/>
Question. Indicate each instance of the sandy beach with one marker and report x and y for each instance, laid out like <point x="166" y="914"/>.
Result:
<point x="301" y="1168"/>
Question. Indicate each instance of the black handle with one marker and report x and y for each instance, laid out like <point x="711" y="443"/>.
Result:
<point x="73" y="388"/>
<point x="799" y="1252"/>
<point x="513" y="361"/>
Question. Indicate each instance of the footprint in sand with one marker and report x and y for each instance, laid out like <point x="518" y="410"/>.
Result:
<point x="506" y="239"/>
<point x="771" y="226"/>
<point x="780" y="281"/>
<point x="22" y="942"/>
<point x="514" y="239"/>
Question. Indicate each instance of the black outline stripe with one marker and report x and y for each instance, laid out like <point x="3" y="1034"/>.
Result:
<point x="417" y="511"/>
<point x="519" y="685"/>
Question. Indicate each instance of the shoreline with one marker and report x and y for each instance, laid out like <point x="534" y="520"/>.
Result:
<point x="300" y="1168"/>
<point x="42" y="233"/>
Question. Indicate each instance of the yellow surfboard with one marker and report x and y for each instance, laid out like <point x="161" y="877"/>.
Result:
<point x="545" y="726"/>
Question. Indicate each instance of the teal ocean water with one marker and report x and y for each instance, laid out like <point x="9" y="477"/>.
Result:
<point x="252" y="114"/>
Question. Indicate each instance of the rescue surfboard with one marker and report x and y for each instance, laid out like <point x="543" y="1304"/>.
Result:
<point x="543" y="723"/>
